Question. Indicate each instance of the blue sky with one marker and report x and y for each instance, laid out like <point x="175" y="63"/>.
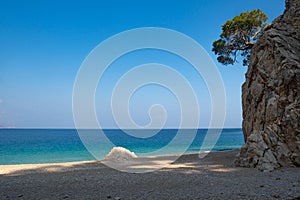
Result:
<point x="43" y="43"/>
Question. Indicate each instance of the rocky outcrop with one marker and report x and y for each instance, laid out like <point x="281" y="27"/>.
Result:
<point x="271" y="95"/>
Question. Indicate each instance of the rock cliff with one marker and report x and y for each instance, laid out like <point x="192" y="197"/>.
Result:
<point x="271" y="95"/>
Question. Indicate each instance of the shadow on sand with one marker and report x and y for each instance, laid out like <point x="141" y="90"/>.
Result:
<point x="212" y="177"/>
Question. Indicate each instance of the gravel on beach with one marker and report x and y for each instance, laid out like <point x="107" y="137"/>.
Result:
<point x="212" y="177"/>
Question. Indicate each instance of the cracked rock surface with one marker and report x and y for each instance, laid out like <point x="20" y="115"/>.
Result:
<point x="271" y="96"/>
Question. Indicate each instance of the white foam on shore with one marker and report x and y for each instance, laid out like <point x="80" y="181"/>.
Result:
<point x="118" y="154"/>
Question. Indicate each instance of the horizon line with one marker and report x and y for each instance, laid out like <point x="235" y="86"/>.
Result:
<point x="116" y="128"/>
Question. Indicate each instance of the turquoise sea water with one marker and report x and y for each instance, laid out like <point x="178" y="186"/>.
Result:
<point x="20" y="146"/>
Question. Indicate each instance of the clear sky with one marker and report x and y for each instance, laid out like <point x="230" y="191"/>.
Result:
<point x="43" y="43"/>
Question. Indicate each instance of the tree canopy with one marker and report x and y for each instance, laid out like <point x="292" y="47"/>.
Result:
<point x="238" y="36"/>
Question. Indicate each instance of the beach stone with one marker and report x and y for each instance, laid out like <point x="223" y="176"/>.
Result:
<point x="271" y="96"/>
<point x="120" y="154"/>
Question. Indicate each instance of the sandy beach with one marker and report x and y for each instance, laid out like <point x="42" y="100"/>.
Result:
<point x="213" y="177"/>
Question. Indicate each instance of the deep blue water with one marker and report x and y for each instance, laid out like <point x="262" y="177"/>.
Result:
<point x="20" y="146"/>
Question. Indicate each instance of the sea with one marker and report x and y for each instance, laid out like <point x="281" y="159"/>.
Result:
<point x="29" y="146"/>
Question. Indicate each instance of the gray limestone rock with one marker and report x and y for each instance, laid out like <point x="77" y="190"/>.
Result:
<point x="271" y="96"/>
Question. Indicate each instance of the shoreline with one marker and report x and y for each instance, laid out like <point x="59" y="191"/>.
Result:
<point x="34" y="167"/>
<point x="70" y="163"/>
<point x="212" y="177"/>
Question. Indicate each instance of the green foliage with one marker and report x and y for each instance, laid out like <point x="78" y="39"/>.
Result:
<point x="238" y="36"/>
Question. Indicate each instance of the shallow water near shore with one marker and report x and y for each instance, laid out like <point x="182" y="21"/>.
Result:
<point x="22" y="146"/>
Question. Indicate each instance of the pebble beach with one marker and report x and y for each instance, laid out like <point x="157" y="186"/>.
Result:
<point x="212" y="177"/>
